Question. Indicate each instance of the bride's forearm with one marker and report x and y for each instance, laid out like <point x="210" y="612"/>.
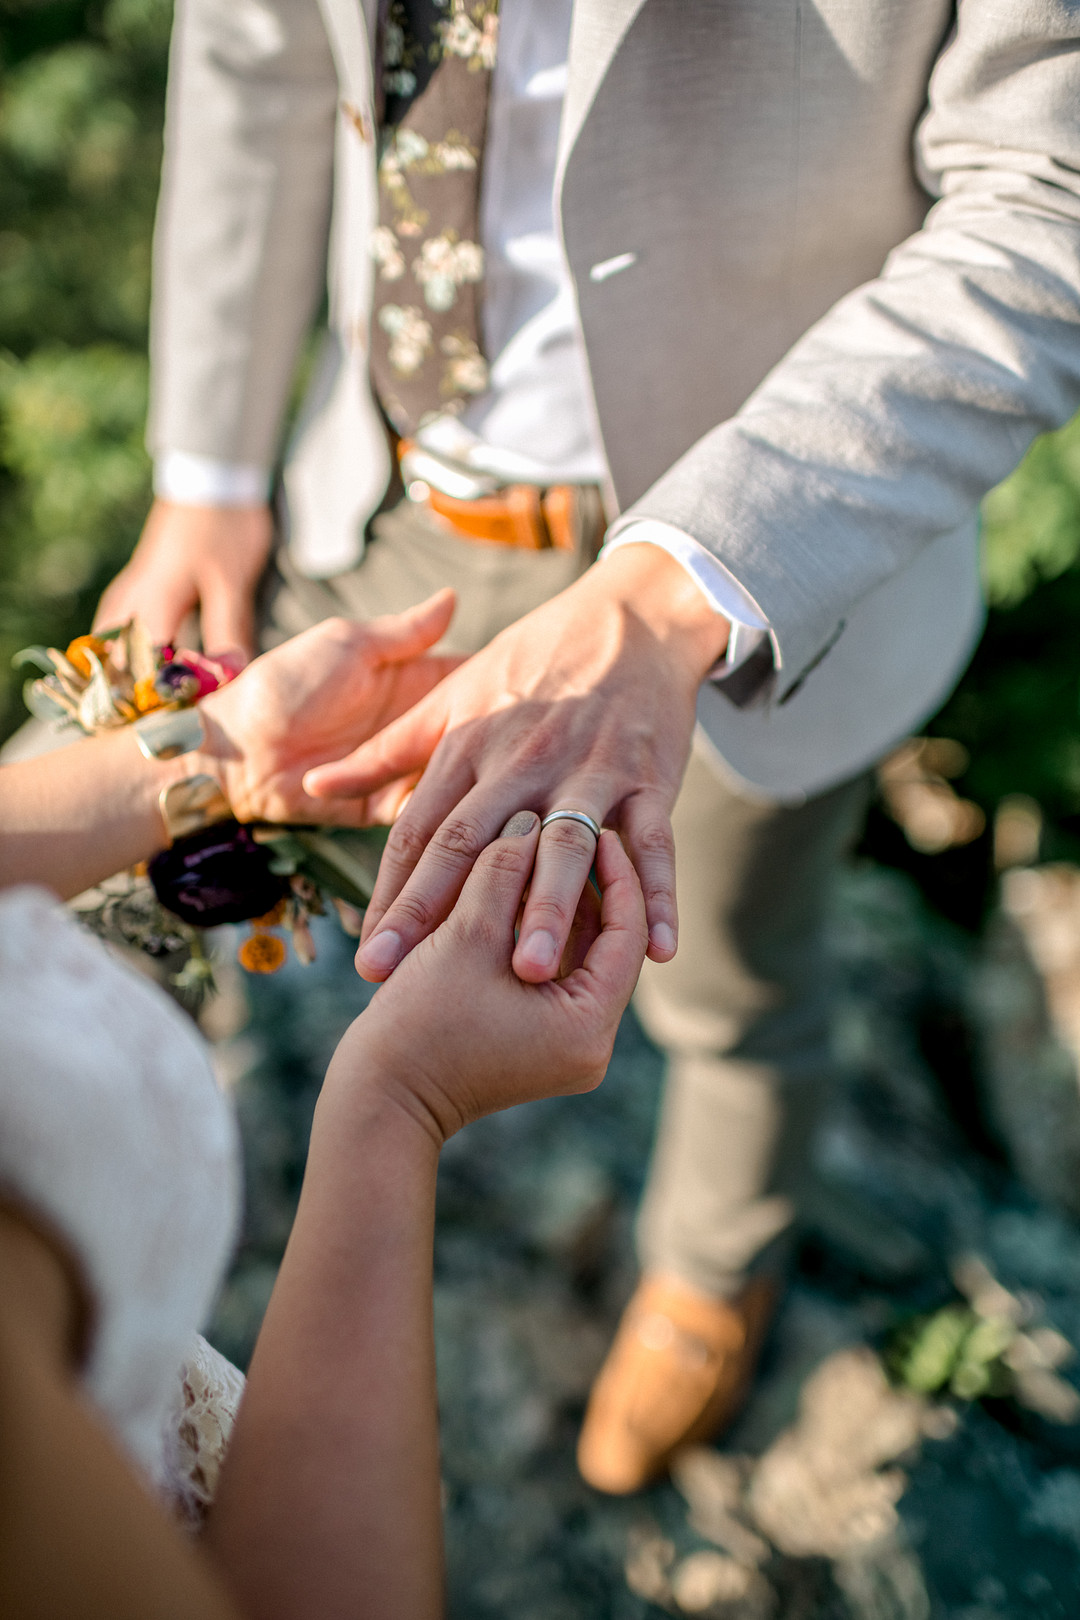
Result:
<point x="80" y="814"/>
<point x="329" y="1500"/>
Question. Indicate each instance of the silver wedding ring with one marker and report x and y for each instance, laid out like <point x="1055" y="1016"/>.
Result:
<point x="572" y="815"/>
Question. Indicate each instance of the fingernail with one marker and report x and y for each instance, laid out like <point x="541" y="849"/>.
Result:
<point x="538" y="950"/>
<point x="662" y="936"/>
<point x="520" y="823"/>
<point x="381" y="951"/>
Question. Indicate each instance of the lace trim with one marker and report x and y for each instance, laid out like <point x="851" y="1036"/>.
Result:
<point x="198" y="1434"/>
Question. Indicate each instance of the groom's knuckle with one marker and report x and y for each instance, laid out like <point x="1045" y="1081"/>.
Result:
<point x="656" y="840"/>
<point x="569" y="838"/>
<point x="499" y="857"/>
<point x="417" y="910"/>
<point x="406" y="842"/>
<point x="459" y="837"/>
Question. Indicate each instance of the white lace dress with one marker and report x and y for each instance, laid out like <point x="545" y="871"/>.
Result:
<point x="114" y="1133"/>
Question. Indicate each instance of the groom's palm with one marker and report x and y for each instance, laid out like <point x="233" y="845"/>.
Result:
<point x="314" y="699"/>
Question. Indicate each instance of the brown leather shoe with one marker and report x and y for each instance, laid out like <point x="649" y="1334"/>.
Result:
<point x="677" y="1373"/>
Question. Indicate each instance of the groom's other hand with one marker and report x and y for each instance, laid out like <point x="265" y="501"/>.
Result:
<point x="188" y="557"/>
<point x="314" y="698"/>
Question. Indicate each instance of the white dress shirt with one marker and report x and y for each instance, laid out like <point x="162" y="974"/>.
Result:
<point x="536" y="422"/>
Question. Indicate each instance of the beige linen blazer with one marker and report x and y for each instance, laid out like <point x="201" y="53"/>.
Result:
<point x="827" y="261"/>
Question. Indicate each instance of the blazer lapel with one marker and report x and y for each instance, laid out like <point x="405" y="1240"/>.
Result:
<point x="597" y="30"/>
<point x="351" y="25"/>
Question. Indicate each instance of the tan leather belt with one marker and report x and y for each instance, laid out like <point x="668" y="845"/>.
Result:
<point x="523" y="515"/>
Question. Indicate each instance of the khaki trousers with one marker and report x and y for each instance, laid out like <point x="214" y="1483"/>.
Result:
<point x="743" y="1011"/>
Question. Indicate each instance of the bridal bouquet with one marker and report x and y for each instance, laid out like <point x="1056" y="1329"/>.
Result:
<point x="274" y="877"/>
<point x="113" y="678"/>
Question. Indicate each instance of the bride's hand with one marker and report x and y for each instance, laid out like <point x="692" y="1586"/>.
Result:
<point x="454" y="1034"/>
<point x="312" y="699"/>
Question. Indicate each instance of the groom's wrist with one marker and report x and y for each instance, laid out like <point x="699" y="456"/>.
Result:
<point x="657" y="589"/>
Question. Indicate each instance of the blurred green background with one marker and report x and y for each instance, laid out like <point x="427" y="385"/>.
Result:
<point x="81" y="95"/>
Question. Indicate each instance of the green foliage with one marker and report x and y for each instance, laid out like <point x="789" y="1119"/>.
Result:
<point x="955" y="1349"/>
<point x="1017" y="710"/>
<point x="81" y="99"/>
<point x="1031" y="522"/>
<point x="72" y="435"/>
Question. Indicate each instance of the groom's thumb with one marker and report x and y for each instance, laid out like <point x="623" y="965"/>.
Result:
<point x="407" y="635"/>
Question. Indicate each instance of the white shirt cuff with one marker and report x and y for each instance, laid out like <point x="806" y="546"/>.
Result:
<point x="206" y="481"/>
<point x="749" y="628"/>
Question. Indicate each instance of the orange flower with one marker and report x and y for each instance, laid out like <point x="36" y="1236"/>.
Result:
<point x="76" y="655"/>
<point x="262" y="953"/>
<point x="147" y="696"/>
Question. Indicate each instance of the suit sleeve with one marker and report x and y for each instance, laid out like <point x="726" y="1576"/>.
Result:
<point x="241" y="233"/>
<point x="881" y="430"/>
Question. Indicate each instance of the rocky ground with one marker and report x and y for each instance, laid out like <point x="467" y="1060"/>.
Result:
<point x="840" y="1493"/>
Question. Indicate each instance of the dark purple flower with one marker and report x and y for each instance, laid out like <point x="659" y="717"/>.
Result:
<point x="177" y="683"/>
<point x="219" y="875"/>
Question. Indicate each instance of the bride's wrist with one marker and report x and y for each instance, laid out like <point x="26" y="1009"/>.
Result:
<point x="364" y="1094"/>
<point x="188" y="755"/>
<point x="219" y="754"/>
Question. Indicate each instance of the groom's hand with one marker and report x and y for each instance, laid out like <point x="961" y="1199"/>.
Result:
<point x="188" y="557"/>
<point x="312" y="699"/>
<point x="588" y="703"/>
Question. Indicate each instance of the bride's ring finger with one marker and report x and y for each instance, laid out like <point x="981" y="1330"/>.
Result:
<point x="564" y="858"/>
